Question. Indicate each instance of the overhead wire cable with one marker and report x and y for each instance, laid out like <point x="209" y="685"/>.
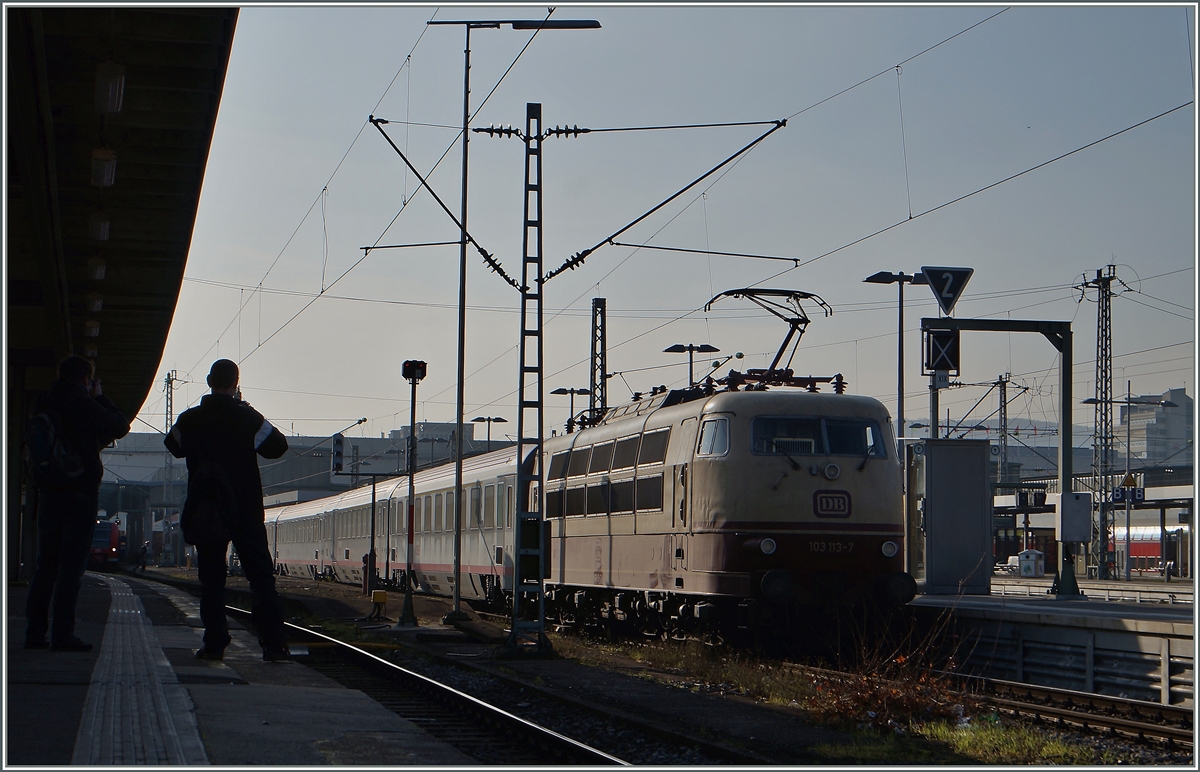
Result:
<point x="307" y="212"/>
<point x="889" y="69"/>
<point x="903" y="144"/>
<point x="976" y="192"/>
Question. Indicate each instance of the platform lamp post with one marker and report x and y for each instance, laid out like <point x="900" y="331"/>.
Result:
<point x="899" y="279"/>
<point x="1129" y="401"/>
<point x="457" y="615"/>
<point x="413" y="370"/>
<point x="572" y="392"/>
<point x="490" y="420"/>
<point x="691" y="350"/>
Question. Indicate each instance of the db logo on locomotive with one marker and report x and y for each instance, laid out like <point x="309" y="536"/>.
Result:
<point x="831" y="504"/>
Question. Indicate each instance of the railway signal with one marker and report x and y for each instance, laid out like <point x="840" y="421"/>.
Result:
<point x="947" y="284"/>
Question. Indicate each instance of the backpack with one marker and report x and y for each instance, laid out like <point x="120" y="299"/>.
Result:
<point x="211" y="505"/>
<point x="54" y="462"/>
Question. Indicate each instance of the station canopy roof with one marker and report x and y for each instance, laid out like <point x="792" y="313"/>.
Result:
<point x="110" y="117"/>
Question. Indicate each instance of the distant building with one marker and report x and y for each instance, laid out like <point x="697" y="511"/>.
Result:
<point x="1158" y="435"/>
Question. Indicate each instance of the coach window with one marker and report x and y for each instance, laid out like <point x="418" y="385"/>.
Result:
<point x="579" y="462"/>
<point x="508" y="503"/>
<point x="601" y="458"/>
<point x="489" y="507"/>
<point x="476" y="507"/>
<point x="428" y="521"/>
<point x="450" y="511"/>
<point x="714" y="437"/>
<point x="558" y="466"/>
<point x="654" y="447"/>
<point x="625" y="454"/>
<point x="437" y="513"/>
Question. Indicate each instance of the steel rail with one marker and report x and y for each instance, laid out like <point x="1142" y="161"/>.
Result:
<point x="516" y="728"/>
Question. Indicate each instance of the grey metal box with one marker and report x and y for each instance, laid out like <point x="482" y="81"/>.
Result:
<point x="958" y="517"/>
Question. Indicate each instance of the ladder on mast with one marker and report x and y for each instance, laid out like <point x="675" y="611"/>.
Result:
<point x="530" y="567"/>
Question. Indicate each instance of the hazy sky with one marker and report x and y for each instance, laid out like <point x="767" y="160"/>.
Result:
<point x="1018" y="90"/>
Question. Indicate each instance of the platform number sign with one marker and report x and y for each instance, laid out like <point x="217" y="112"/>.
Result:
<point x="941" y="351"/>
<point x="947" y="284"/>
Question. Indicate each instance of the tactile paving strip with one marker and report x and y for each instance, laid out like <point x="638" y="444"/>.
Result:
<point x="136" y="711"/>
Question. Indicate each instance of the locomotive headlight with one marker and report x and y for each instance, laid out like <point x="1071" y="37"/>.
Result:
<point x="889" y="549"/>
<point x="767" y="546"/>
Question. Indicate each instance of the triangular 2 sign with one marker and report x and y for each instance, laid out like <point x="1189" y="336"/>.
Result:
<point x="947" y="284"/>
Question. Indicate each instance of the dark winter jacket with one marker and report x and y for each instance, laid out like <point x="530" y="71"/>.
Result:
<point x="229" y="432"/>
<point x="88" y="424"/>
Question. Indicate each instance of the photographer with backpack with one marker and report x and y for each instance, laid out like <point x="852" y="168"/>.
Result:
<point x="220" y="438"/>
<point x="74" y="421"/>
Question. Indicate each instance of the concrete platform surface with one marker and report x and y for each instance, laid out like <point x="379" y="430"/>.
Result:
<point x="141" y="697"/>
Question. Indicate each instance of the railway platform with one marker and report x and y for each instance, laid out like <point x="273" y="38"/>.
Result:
<point x="1127" y="639"/>
<point x="141" y="697"/>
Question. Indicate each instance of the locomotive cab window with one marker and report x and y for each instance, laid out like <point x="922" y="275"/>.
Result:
<point x="714" y="437"/>
<point x="854" y="437"/>
<point x="798" y="436"/>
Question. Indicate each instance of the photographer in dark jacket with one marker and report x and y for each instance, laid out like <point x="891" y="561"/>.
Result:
<point x="225" y="432"/>
<point x="66" y="515"/>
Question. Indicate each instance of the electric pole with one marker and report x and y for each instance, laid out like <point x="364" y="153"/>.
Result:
<point x="1102" y="445"/>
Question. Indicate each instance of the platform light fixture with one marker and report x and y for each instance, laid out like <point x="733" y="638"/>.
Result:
<point x="99" y="226"/>
<point x="95" y="302"/>
<point x="104" y="167"/>
<point x="572" y="392"/>
<point x="456" y="614"/>
<point x="899" y="279"/>
<point x="110" y="87"/>
<point x="691" y="350"/>
<point x="96" y="268"/>
<point x="490" y="420"/>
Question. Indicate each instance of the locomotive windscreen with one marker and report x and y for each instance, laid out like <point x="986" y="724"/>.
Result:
<point x="795" y="436"/>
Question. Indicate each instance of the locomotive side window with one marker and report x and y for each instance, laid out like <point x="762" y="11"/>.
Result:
<point x="597" y="499"/>
<point x="654" y="448"/>
<point x="554" y="503"/>
<point x="489" y="507"/>
<point x="620" y="496"/>
<point x="787" y="436"/>
<point x="625" y="454"/>
<point x="649" y="493"/>
<point x="576" y="501"/>
<point x="714" y="437"/>
<point x="601" y="458"/>
<point x="579" y="462"/>
<point x="848" y="437"/>
<point x="558" y="466"/>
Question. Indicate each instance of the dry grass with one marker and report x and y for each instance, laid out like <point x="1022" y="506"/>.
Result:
<point x="893" y="708"/>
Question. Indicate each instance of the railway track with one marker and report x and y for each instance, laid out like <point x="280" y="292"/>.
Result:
<point x="1172" y="725"/>
<point x="482" y="731"/>
<point x="1142" y="721"/>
